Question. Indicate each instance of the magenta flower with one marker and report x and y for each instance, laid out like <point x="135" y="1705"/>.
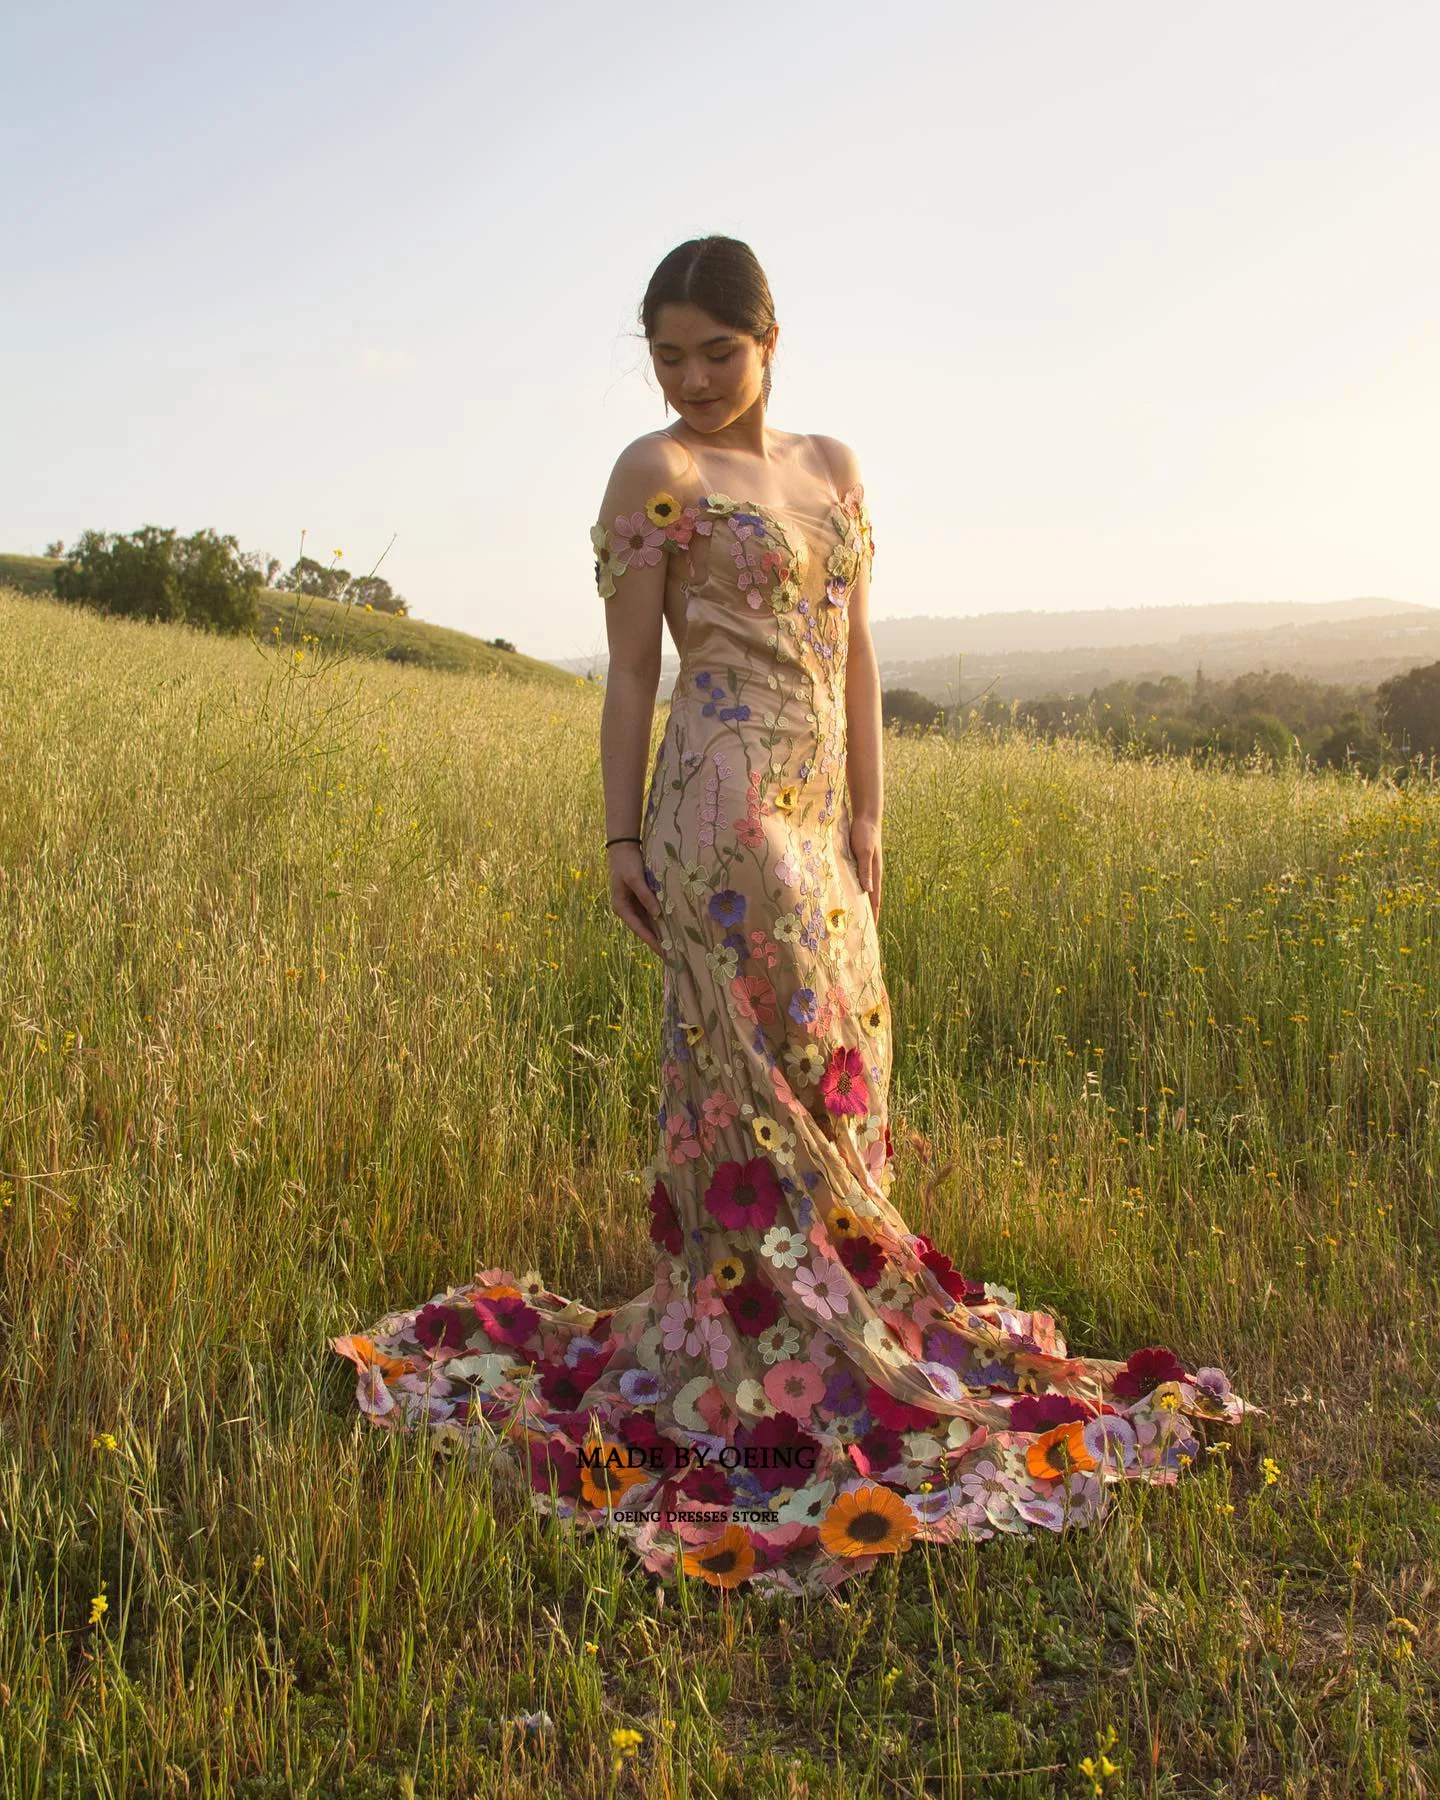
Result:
<point x="744" y="1196"/>
<point x="842" y="1086"/>
<point x="1146" y="1369"/>
<point x="1040" y="1412"/>
<point x="957" y="1286"/>
<point x="507" y="1320"/>
<point x="554" y="1463"/>
<point x="444" y="1327"/>
<point x="789" y="1454"/>
<point x="753" y="1305"/>
<point x="864" y="1258"/>
<point x="565" y="1387"/>
<point x="897" y="1415"/>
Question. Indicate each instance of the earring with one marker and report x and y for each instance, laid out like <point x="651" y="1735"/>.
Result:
<point x="765" y="384"/>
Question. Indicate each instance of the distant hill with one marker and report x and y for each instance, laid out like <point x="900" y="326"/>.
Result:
<point x="383" y="636"/>
<point x="1024" y="655"/>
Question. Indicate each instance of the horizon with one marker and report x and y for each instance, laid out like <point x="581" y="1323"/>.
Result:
<point x="1107" y="305"/>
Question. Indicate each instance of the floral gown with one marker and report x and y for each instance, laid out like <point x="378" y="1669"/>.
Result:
<point x="808" y="1385"/>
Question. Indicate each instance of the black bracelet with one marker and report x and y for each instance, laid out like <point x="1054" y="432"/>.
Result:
<point x="622" y="840"/>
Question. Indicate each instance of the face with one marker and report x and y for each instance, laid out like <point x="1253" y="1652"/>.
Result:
<point x="709" y="372"/>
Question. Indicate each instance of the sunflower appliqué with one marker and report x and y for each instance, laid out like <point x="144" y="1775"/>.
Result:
<point x="643" y="537"/>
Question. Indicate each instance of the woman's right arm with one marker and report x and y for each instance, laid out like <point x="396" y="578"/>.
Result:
<point x="630" y="569"/>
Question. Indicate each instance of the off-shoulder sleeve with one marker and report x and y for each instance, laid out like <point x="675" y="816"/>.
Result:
<point x="638" y="538"/>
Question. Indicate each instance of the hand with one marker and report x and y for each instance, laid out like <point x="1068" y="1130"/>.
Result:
<point x="869" y="860"/>
<point x="630" y="895"/>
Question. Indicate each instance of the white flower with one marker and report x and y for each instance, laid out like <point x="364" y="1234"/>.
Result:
<point x="648" y="1350"/>
<point x="808" y="1505"/>
<point x="783" y="1247"/>
<point x="889" y="1290"/>
<point x="993" y="1291"/>
<point x="806" y="1062"/>
<point x="684" y="1403"/>
<point x="880" y="1342"/>
<point x="921" y="1459"/>
<point x="787" y="928"/>
<point x="695" y="878"/>
<point x="724" y="960"/>
<point x="778" y="1343"/>
<point x="751" y="1398"/>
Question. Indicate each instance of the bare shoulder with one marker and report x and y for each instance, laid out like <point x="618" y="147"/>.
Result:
<point x="840" y="459"/>
<point x="655" y="458"/>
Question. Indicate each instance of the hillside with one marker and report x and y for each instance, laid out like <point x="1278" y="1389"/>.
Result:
<point x="342" y="628"/>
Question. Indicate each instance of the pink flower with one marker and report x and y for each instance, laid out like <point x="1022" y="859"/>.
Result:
<point x="636" y="540"/>
<point x="676" y="1324"/>
<point x="755" y="1000"/>
<point x="507" y="1320"/>
<point x="794" y="1387"/>
<point x="744" y="1196"/>
<point x="842" y="1087"/>
<point x="720" y="1110"/>
<point x="825" y="1291"/>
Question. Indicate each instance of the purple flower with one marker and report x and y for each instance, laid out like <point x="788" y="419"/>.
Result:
<point x="728" y="907"/>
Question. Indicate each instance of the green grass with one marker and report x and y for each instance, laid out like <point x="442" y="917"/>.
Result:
<point x="326" y="628"/>
<point x="312" y="1001"/>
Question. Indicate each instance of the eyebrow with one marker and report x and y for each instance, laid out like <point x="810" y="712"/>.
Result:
<point x="727" y="337"/>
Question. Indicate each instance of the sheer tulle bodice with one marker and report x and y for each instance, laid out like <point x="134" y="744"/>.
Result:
<point x="807" y="1384"/>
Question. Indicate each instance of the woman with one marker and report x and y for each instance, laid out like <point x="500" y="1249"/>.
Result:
<point x="807" y="1385"/>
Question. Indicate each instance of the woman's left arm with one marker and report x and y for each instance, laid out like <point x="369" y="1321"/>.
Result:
<point x="864" y="733"/>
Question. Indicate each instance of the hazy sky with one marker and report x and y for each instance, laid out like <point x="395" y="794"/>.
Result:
<point x="1117" y="303"/>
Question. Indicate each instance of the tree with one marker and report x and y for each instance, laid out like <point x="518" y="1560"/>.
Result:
<point x="55" y="550"/>
<point x="1408" y="708"/>
<point x="156" y="574"/>
<point x="306" y="576"/>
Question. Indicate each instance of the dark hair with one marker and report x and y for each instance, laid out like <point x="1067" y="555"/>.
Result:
<point x="721" y="276"/>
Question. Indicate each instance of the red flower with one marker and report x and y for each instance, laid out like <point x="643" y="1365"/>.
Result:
<point x="745" y="1196"/>
<point x="898" y="1415"/>
<point x="881" y="1449"/>
<point x="1146" y="1369"/>
<point x="1042" y="1412"/>
<point x="664" y="1226"/>
<point x="957" y="1286"/>
<point x="889" y="1147"/>
<point x="753" y="1304"/>
<point x="554" y="1461"/>
<point x="507" y="1320"/>
<point x="706" y="1487"/>
<point x="638" y="1431"/>
<point x="864" y="1258"/>
<point x="842" y="1086"/>
<point x="445" y="1326"/>
<point x="789" y="1453"/>
<point x="564" y="1387"/>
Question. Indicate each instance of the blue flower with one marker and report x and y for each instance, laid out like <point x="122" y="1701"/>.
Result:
<point x="734" y="712"/>
<point x="802" y="1005"/>
<point x="702" y="680"/>
<point x="728" y="907"/>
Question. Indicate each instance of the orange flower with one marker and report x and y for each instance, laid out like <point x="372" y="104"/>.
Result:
<point x="726" y="1562"/>
<point x="871" y="1521"/>
<point x="501" y="1292"/>
<point x="1059" y="1451"/>
<point x="608" y="1480"/>
<point x="368" y="1357"/>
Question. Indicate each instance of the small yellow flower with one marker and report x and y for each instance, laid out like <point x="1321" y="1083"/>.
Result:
<point x="729" y="1272"/>
<point x="105" y="1440"/>
<point x="692" y="1033"/>
<point x="767" y="1131"/>
<point x="1270" y="1469"/>
<point x="872" y="1018"/>
<point x="787" y="797"/>
<point x="626" y="1741"/>
<point x="662" y="509"/>
<point x="836" y="919"/>
<point x="99" y="1606"/>
<point x="591" y="1649"/>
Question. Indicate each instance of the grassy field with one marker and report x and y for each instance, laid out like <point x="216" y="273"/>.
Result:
<point x="325" y="627"/>
<point x="313" y="1001"/>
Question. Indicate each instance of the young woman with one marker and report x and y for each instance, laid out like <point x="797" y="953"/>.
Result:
<point x="807" y="1385"/>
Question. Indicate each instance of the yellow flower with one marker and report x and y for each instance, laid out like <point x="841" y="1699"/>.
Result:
<point x="662" y="509"/>
<point x="729" y="1272"/>
<point x="105" y="1441"/>
<point x="99" y="1606"/>
<point x="692" y="1033"/>
<point x="627" y="1742"/>
<point x="872" y="1018"/>
<point x="787" y="797"/>
<point x="842" y="1223"/>
<point x="870" y="1521"/>
<point x="606" y="561"/>
<point x="767" y="1131"/>
<point x="1270" y="1469"/>
<point x="837" y="918"/>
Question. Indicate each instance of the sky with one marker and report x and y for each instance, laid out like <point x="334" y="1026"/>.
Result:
<point x="1117" y="303"/>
